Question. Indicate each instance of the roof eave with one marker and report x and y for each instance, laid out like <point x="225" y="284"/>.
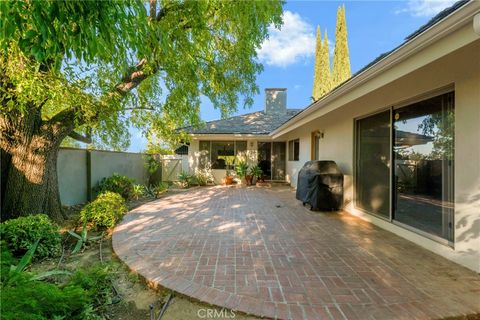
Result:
<point x="437" y="31"/>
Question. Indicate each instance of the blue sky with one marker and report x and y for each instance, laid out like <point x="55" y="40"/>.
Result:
<point x="373" y="27"/>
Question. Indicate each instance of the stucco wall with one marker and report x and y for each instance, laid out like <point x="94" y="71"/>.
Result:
<point x="459" y="70"/>
<point x="72" y="176"/>
<point x="105" y="163"/>
<point x="73" y="171"/>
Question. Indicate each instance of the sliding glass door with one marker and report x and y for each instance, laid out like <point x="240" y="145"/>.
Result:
<point x="423" y="172"/>
<point x="373" y="162"/>
<point x="417" y="190"/>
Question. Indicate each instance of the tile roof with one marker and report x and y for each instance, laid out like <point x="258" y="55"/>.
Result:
<point x="256" y="123"/>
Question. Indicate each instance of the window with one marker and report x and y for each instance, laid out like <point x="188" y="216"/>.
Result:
<point x="405" y="166"/>
<point x="423" y="154"/>
<point x="294" y="150"/>
<point x="373" y="164"/>
<point x="221" y="154"/>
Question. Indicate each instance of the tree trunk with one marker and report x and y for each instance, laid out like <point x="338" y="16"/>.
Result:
<point x="32" y="185"/>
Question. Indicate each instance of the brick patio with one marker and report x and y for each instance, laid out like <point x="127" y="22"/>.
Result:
<point x="258" y="251"/>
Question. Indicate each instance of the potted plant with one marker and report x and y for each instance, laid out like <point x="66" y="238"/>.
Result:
<point x="242" y="172"/>
<point x="228" y="178"/>
<point x="256" y="173"/>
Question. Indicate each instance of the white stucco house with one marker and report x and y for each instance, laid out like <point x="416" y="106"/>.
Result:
<point x="405" y="131"/>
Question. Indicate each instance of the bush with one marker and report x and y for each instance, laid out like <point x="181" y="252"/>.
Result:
<point x="24" y="298"/>
<point x="20" y="233"/>
<point x="157" y="190"/>
<point x="6" y="260"/>
<point x="186" y="180"/>
<point x="87" y="290"/>
<point x="122" y="185"/>
<point x="105" y="211"/>
<point x="97" y="283"/>
<point x="138" y="190"/>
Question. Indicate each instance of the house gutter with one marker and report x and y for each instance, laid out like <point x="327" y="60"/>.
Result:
<point x="434" y="33"/>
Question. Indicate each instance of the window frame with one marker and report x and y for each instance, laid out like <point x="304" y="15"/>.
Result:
<point x="391" y="108"/>
<point x="294" y="149"/>
<point x="235" y="150"/>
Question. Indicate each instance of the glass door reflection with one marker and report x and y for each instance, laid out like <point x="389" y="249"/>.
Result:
<point x="423" y="148"/>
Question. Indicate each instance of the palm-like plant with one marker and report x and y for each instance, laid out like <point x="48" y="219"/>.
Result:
<point x="256" y="172"/>
<point x="242" y="169"/>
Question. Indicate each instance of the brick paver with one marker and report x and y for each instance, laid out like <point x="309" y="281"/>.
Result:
<point x="258" y="251"/>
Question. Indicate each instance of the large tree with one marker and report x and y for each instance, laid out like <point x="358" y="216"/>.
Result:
<point x="91" y="69"/>
<point x="341" y="56"/>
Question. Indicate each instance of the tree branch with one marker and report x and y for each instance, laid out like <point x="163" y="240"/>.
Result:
<point x="82" y="138"/>
<point x="140" y="108"/>
<point x="133" y="78"/>
<point x="153" y="9"/>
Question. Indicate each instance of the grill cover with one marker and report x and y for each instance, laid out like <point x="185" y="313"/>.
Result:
<point x="320" y="184"/>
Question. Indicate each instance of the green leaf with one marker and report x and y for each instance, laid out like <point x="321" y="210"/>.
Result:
<point x="78" y="246"/>
<point x="73" y="234"/>
<point x="48" y="274"/>
<point x="27" y="257"/>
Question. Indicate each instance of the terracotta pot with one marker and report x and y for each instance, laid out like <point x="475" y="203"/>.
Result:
<point x="228" y="180"/>
<point x="249" y="180"/>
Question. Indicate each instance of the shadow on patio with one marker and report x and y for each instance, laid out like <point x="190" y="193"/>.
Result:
<point x="258" y="251"/>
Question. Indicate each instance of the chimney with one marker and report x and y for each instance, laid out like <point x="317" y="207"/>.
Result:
<point x="275" y="100"/>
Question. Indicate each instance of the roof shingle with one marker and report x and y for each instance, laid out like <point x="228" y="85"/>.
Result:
<point x="256" y="123"/>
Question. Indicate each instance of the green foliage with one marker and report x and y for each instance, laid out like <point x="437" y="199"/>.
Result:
<point x="37" y="300"/>
<point x="116" y="183"/>
<point x="322" y="74"/>
<point x="186" y="179"/>
<point x="241" y="169"/>
<point x="203" y="177"/>
<point x="157" y="190"/>
<point x="6" y="261"/>
<point x="88" y="31"/>
<point x="105" y="211"/>
<point x="341" y="56"/>
<point x="21" y="233"/>
<point x="87" y="290"/>
<point x="256" y="171"/>
<point x="97" y="283"/>
<point x="152" y="163"/>
<point x="138" y="190"/>
<point x="73" y="56"/>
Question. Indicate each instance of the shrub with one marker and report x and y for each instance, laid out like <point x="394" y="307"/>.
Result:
<point x="158" y="189"/>
<point x="6" y="260"/>
<point x="97" y="283"/>
<point x="116" y="183"/>
<point x="87" y="290"/>
<point x="20" y="233"/>
<point x="37" y="300"/>
<point x="105" y="211"/>
<point x="241" y="169"/>
<point x="138" y="190"/>
<point x="185" y="179"/>
<point x="256" y="171"/>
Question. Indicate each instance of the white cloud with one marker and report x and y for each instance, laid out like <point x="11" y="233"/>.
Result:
<point x="294" y="42"/>
<point x="425" y="8"/>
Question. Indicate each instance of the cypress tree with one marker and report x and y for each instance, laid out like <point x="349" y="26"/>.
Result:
<point x="322" y="75"/>
<point x="316" y="92"/>
<point x="326" y="75"/>
<point x="341" y="58"/>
